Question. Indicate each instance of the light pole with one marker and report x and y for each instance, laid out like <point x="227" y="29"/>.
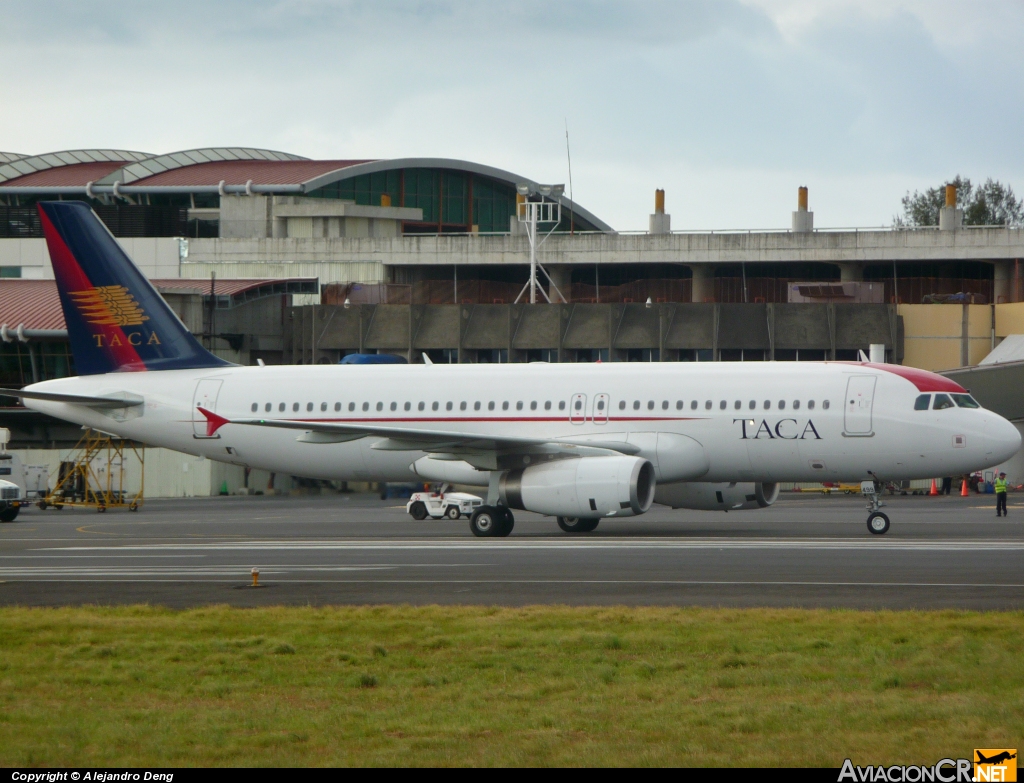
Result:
<point x="531" y="214"/>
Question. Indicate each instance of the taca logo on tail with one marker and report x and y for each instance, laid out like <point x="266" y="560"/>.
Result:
<point x="116" y="320"/>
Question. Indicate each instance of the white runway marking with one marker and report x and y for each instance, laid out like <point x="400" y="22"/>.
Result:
<point x="867" y="544"/>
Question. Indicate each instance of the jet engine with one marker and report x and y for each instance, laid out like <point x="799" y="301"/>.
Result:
<point x="706" y="496"/>
<point x="587" y="487"/>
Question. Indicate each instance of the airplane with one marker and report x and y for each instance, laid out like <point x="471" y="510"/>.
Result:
<point x="578" y="442"/>
<point x="996" y="759"/>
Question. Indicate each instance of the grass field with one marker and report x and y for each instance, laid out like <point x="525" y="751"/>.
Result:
<point x="143" y="686"/>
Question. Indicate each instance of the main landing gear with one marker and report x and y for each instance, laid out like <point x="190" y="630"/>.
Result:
<point x="491" y="522"/>
<point x="577" y="525"/>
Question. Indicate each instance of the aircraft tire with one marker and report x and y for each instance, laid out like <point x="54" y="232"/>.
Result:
<point x="509" y="522"/>
<point x="418" y="511"/>
<point x="453" y="512"/>
<point x="878" y="523"/>
<point x="486" y="522"/>
<point x="577" y="525"/>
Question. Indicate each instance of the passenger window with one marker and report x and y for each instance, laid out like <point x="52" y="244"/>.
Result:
<point x="722" y="404"/>
<point x="434" y="406"/>
<point x="922" y="402"/>
<point x="752" y="405"/>
<point x="547" y="405"/>
<point x="380" y="406"/>
<point x="767" y="404"/>
<point x="679" y="405"/>
<point x="490" y="406"/>
<point x="782" y="405"/>
<point x="255" y="407"/>
<point x="578" y="405"/>
<point x="942" y="402"/>
<point x="504" y="405"/>
<point x="366" y="406"/>
<point x="394" y="406"/>
<point x="636" y="405"/>
<point x="337" y="406"/>
<point x="421" y="406"/>
<point x="650" y="405"/>
<point x="476" y="405"/>
<point x="693" y="405"/>
<point x="965" y="401"/>
<point x="408" y="406"/>
<point x="462" y="406"/>
<point x="268" y="406"/>
<point x="810" y="405"/>
<point x="448" y="406"/>
<point x="533" y="405"/>
<point x="707" y="405"/>
<point x="351" y="406"/>
<point x="561" y="405"/>
<point x="323" y="406"/>
<point x="295" y="406"/>
<point x="664" y="405"/>
<point x="824" y="404"/>
<point x="280" y="407"/>
<point x="519" y="405"/>
<point x="309" y="406"/>
<point x="796" y="405"/>
<point x="737" y="404"/>
<point x="600" y="405"/>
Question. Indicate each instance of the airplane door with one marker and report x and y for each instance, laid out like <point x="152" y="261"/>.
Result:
<point x="206" y="397"/>
<point x="860" y="394"/>
<point x="578" y="409"/>
<point x="601" y="403"/>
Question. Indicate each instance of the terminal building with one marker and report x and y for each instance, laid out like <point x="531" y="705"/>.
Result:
<point x="272" y="257"/>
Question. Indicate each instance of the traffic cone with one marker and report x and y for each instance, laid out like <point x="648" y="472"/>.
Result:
<point x="934" y="490"/>
<point x="964" y="492"/>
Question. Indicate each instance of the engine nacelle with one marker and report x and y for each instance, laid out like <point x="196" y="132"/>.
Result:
<point x="706" y="496"/>
<point x="587" y="487"/>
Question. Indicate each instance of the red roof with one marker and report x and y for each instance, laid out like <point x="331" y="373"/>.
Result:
<point x="35" y="303"/>
<point x="76" y="174"/>
<point x="31" y="302"/>
<point x="237" y="172"/>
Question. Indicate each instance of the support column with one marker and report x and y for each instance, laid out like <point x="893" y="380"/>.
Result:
<point x="1002" y="284"/>
<point x="561" y="276"/>
<point x="702" y="285"/>
<point x="851" y="273"/>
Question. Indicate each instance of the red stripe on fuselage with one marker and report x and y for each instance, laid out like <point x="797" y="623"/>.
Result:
<point x="924" y="381"/>
<point x="71" y="277"/>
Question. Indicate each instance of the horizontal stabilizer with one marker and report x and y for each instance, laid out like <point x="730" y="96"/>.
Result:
<point x="75" y="399"/>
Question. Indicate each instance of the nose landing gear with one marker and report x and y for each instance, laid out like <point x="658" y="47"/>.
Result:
<point x="878" y="523"/>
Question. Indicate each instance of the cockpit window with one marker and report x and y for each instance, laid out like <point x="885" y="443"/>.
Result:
<point x="942" y="402"/>
<point x="965" y="401"/>
<point x="922" y="401"/>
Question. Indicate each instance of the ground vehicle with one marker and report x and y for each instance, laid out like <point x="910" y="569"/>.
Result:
<point x="442" y="504"/>
<point x="10" y="500"/>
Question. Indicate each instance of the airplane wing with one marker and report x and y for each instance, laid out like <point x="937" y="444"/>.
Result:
<point x="435" y="441"/>
<point x="77" y="399"/>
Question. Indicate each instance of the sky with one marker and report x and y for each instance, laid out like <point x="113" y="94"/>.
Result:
<point x="729" y="105"/>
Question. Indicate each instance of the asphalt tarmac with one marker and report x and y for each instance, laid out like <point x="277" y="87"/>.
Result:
<point x="806" y="550"/>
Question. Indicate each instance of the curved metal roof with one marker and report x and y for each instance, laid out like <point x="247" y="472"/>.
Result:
<point x="52" y="160"/>
<point x="158" y="164"/>
<point x="262" y="172"/>
<point x="7" y="157"/>
<point x="446" y="163"/>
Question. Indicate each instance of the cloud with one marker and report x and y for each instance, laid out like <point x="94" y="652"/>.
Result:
<point x="744" y="100"/>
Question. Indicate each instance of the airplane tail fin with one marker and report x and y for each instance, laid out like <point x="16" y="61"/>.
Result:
<point x="116" y="320"/>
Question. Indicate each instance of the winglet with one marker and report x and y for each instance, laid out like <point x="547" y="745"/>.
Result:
<point x="213" y="421"/>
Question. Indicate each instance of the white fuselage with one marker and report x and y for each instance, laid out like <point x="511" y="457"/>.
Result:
<point x="755" y="421"/>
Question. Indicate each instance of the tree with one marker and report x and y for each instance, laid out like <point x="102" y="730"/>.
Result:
<point x="991" y="204"/>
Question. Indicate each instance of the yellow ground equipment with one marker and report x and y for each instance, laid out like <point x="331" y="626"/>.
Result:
<point x="94" y="475"/>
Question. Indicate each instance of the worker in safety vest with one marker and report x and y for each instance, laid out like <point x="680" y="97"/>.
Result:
<point x="1000" y="485"/>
